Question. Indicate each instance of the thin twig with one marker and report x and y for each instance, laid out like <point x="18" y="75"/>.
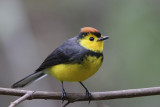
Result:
<point x="66" y="104"/>
<point x="73" y="97"/>
<point x="21" y="99"/>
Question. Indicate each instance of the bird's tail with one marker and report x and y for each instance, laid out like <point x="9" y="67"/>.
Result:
<point x="29" y="79"/>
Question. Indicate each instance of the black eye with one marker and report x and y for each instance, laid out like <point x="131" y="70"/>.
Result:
<point x="91" y="38"/>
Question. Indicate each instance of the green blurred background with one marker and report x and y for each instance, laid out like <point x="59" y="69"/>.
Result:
<point x="31" y="29"/>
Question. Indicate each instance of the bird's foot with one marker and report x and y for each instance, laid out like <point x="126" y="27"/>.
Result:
<point x="64" y="95"/>
<point x="89" y="95"/>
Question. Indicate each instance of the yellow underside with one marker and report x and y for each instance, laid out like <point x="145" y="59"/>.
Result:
<point x="76" y="72"/>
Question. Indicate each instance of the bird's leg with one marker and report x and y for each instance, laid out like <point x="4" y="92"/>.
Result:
<point x="88" y="93"/>
<point x="63" y="92"/>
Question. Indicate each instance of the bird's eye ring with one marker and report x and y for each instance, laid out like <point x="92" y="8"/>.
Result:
<point x="91" y="38"/>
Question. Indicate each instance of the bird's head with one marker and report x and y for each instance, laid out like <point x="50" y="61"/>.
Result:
<point x="90" y="38"/>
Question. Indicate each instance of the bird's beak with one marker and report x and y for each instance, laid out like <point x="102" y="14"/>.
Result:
<point x="103" y="38"/>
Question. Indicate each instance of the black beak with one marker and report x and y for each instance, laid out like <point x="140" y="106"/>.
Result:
<point x="103" y="38"/>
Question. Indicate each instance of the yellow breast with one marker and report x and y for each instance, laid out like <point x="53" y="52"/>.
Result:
<point x="77" y="72"/>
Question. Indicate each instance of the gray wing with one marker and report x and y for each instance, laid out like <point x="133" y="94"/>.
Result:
<point x="68" y="52"/>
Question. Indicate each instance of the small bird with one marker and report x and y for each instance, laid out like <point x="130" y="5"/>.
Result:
<point x="75" y="60"/>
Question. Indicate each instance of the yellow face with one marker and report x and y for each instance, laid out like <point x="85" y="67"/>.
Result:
<point x="91" y="42"/>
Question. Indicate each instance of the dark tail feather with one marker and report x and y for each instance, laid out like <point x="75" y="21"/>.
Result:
<point x="29" y="79"/>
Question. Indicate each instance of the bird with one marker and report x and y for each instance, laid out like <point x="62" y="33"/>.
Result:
<point x="75" y="60"/>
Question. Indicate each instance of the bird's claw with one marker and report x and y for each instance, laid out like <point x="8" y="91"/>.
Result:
<point x="63" y="95"/>
<point x="89" y="95"/>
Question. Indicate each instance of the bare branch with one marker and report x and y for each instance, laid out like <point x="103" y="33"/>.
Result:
<point x="66" y="104"/>
<point x="73" y="97"/>
<point x="21" y="99"/>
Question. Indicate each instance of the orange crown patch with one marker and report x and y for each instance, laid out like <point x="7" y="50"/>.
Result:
<point x="89" y="29"/>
